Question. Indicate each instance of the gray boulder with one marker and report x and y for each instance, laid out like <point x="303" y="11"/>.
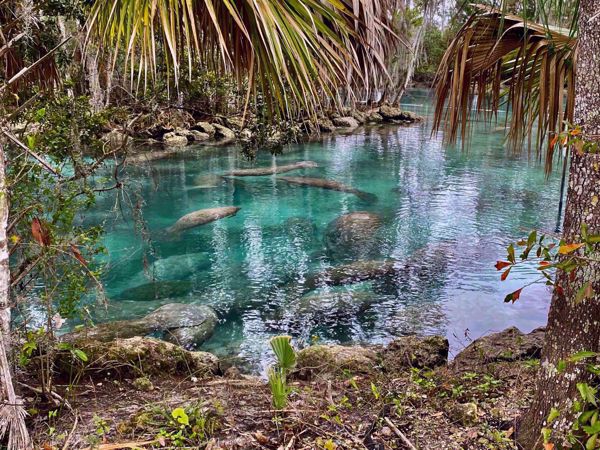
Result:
<point x="175" y="139"/>
<point x="353" y="235"/>
<point x="345" y="122"/>
<point x="223" y="134"/>
<point x="359" y="116"/>
<point x="197" y="136"/>
<point x="205" y="127"/>
<point x="391" y="112"/>
<point x="374" y="117"/>
<point x="325" y="125"/>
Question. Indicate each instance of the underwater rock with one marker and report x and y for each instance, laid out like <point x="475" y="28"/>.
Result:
<point x="174" y="139"/>
<point x="179" y="267"/>
<point x="508" y="345"/>
<point x="205" y="127"/>
<point x="202" y="217"/>
<point x="260" y="171"/>
<point x="331" y="185"/>
<point x="415" y="351"/>
<point x="184" y="324"/>
<point x="335" y="361"/>
<point x="156" y="290"/>
<point x="353" y="273"/>
<point x="345" y="122"/>
<point x="352" y="235"/>
<point x="135" y="355"/>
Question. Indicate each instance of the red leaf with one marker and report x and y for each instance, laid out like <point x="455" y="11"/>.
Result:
<point x="40" y="232"/>
<point x="505" y="274"/>
<point x="77" y="255"/>
<point x="501" y="265"/>
<point x="513" y="297"/>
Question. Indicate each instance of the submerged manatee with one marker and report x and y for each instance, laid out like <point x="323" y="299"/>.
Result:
<point x="156" y="290"/>
<point x="202" y="217"/>
<point x="186" y="325"/>
<point x="353" y="273"/>
<point x="331" y="185"/>
<point x="260" y="171"/>
<point x="353" y="235"/>
<point x="206" y="182"/>
<point x="179" y="267"/>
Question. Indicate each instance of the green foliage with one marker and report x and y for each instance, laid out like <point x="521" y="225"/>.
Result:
<point x="286" y="360"/>
<point x="286" y="356"/>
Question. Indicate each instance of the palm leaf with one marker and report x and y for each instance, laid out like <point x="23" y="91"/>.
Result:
<point x="500" y="60"/>
<point x="286" y="356"/>
<point x="296" y="52"/>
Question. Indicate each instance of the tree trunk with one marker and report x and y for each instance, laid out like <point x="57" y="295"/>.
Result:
<point x="573" y="326"/>
<point x="12" y="413"/>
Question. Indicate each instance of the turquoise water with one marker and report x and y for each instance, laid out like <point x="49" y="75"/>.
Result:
<point x="446" y="216"/>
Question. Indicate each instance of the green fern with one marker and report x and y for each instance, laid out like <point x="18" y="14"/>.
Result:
<point x="286" y="356"/>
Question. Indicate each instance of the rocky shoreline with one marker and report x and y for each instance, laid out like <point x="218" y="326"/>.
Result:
<point x="175" y="135"/>
<point x="352" y="397"/>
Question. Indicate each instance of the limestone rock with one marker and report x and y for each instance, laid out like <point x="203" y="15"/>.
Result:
<point x="197" y="136"/>
<point x="508" y="345"/>
<point x="175" y="139"/>
<point x="359" y="116"/>
<point x="415" y="351"/>
<point x="335" y="360"/>
<point x="374" y="117"/>
<point x="390" y="112"/>
<point x="223" y="134"/>
<point x="325" y="125"/>
<point x="345" y="122"/>
<point x="204" y="127"/>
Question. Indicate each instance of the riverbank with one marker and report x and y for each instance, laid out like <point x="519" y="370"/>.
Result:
<point x="175" y="129"/>
<point x="143" y="393"/>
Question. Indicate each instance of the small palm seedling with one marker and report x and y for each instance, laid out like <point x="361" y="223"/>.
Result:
<point x="286" y="360"/>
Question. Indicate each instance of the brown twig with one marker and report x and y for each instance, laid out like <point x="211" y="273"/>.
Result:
<point x="400" y="434"/>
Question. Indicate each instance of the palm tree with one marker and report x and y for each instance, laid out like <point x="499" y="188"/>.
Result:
<point x="545" y="76"/>
<point x="296" y="53"/>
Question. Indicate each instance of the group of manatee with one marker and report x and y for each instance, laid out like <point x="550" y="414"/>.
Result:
<point x="352" y="240"/>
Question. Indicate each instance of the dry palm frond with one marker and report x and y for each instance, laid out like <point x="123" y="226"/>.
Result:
<point x="295" y="52"/>
<point x="499" y="59"/>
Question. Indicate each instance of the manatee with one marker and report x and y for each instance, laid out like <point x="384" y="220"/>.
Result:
<point x="260" y="171"/>
<point x="184" y="324"/>
<point x="156" y="290"/>
<point x="202" y="217"/>
<point x="352" y="235"/>
<point x="178" y="267"/>
<point x="353" y="273"/>
<point x="206" y="182"/>
<point x="331" y="185"/>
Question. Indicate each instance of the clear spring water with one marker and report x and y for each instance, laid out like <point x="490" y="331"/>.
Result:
<point x="447" y="215"/>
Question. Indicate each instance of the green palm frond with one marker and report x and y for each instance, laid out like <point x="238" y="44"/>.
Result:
<point x="282" y="347"/>
<point x="497" y="60"/>
<point x="295" y="52"/>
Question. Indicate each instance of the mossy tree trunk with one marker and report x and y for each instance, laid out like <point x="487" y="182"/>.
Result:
<point x="573" y="326"/>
